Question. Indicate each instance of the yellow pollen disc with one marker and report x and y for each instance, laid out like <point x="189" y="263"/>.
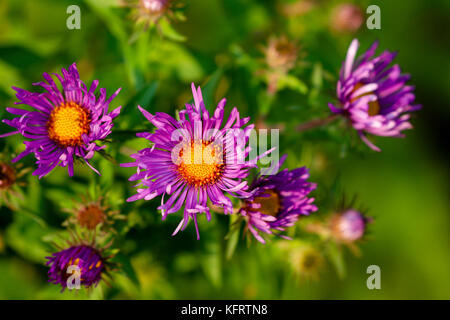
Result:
<point x="374" y="106"/>
<point x="99" y="263"/>
<point x="67" y="123"/>
<point x="270" y="205"/>
<point x="200" y="163"/>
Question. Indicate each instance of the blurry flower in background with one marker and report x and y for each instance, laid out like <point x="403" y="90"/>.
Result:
<point x="280" y="57"/>
<point x="62" y="127"/>
<point x="374" y="97"/>
<point x="346" y="17"/>
<point x="10" y="183"/>
<point x="279" y="200"/>
<point x="281" y="54"/>
<point x="152" y="10"/>
<point x="205" y="166"/>
<point x="149" y="12"/>
<point x="92" y="213"/>
<point x="306" y="261"/>
<point x="297" y="8"/>
<point x="349" y="226"/>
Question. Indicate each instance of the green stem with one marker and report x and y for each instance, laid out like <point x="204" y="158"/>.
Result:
<point x="133" y="132"/>
<point x="316" y="123"/>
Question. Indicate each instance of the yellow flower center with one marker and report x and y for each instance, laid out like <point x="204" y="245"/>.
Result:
<point x="374" y="106"/>
<point x="200" y="163"/>
<point x="67" y="124"/>
<point x="270" y="205"/>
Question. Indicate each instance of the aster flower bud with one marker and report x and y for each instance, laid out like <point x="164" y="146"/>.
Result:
<point x="349" y="226"/>
<point x="89" y="214"/>
<point x="346" y="17"/>
<point x="281" y="54"/>
<point x="10" y="183"/>
<point x="7" y="176"/>
<point x="151" y="11"/>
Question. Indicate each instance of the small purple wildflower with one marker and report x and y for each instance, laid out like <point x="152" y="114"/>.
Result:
<point x="88" y="259"/>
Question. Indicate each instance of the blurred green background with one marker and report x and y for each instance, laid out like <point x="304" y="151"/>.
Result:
<point x="405" y="187"/>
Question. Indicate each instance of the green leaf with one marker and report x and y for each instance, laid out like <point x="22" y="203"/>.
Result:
<point x="33" y="216"/>
<point x="233" y="236"/>
<point x="117" y="28"/>
<point x="126" y="268"/>
<point x="10" y="76"/>
<point x="265" y="101"/>
<point x="112" y="21"/>
<point x="25" y="236"/>
<point x="317" y="76"/>
<point x="232" y="242"/>
<point x="107" y="177"/>
<point x="166" y="58"/>
<point x="212" y="264"/>
<point x="337" y="259"/>
<point x="210" y="87"/>
<point x="169" y="32"/>
<point x="291" y="82"/>
<point x="144" y="98"/>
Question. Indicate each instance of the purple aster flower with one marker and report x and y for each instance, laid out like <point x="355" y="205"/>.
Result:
<point x="349" y="226"/>
<point x="63" y="125"/>
<point x="373" y="96"/>
<point x="89" y="261"/>
<point x="278" y="201"/>
<point x="347" y="17"/>
<point x="193" y="159"/>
